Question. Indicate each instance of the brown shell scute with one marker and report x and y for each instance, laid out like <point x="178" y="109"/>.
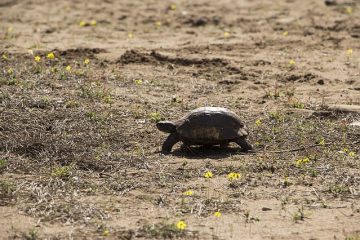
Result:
<point x="210" y="124"/>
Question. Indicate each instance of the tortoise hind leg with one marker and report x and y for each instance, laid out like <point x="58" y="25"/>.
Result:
<point x="245" y="146"/>
<point x="171" y="140"/>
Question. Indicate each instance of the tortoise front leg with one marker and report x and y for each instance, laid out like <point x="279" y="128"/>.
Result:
<point x="245" y="146"/>
<point x="224" y="144"/>
<point x="171" y="140"/>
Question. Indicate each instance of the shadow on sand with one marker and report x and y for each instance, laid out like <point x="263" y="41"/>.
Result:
<point x="212" y="152"/>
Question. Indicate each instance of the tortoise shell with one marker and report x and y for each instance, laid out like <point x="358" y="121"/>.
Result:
<point x="210" y="125"/>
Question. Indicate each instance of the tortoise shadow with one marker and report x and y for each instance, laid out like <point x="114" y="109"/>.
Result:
<point x="212" y="152"/>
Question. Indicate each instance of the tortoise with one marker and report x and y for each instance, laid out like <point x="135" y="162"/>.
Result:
<point x="206" y="126"/>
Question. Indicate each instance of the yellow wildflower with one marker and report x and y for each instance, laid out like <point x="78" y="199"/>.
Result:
<point x="352" y="154"/>
<point x="258" y="122"/>
<point x="349" y="52"/>
<point x="217" y="214"/>
<point x="68" y="68"/>
<point x="181" y="225"/>
<point x="158" y="24"/>
<point x="10" y="29"/>
<point x="233" y="175"/>
<point x="86" y="61"/>
<point x="188" y="193"/>
<point x="10" y="71"/>
<point x="93" y="23"/>
<point x="292" y="63"/>
<point x="138" y="81"/>
<point x="82" y="23"/>
<point x="130" y="35"/>
<point x="37" y="58"/>
<point x="106" y="232"/>
<point x="208" y="174"/>
<point x="322" y="142"/>
<point x="349" y="10"/>
<point x="51" y="56"/>
<point x="173" y="7"/>
<point x="226" y="34"/>
<point x="285" y="33"/>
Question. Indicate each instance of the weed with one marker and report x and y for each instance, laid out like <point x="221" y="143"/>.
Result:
<point x="2" y="164"/>
<point x="31" y="235"/>
<point x="62" y="172"/>
<point x="72" y="103"/>
<point x="156" y="117"/>
<point x="6" y="192"/>
<point x="295" y="103"/>
<point x="96" y="91"/>
<point x="249" y="218"/>
<point x="299" y="215"/>
<point x="162" y="230"/>
<point x="355" y="236"/>
<point x="286" y="182"/>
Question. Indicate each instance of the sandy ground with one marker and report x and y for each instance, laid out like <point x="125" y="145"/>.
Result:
<point x="79" y="151"/>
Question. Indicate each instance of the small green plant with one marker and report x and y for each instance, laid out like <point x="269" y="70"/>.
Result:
<point x="156" y="117"/>
<point x="249" y="218"/>
<point x="72" y="104"/>
<point x="286" y="182"/>
<point x="92" y="116"/>
<point x="296" y="103"/>
<point x="31" y="235"/>
<point x="278" y="116"/>
<point x="62" y="172"/>
<point x="299" y="215"/>
<point x="6" y="192"/>
<point x="337" y="189"/>
<point x="2" y="164"/>
<point x="162" y="230"/>
<point x="353" y="237"/>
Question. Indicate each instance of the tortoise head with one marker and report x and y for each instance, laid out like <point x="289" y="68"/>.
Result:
<point x="166" y="126"/>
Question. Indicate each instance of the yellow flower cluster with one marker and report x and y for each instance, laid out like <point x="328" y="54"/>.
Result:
<point x="138" y="81"/>
<point x="350" y="153"/>
<point x="233" y="176"/>
<point x="302" y="161"/>
<point x="189" y="193"/>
